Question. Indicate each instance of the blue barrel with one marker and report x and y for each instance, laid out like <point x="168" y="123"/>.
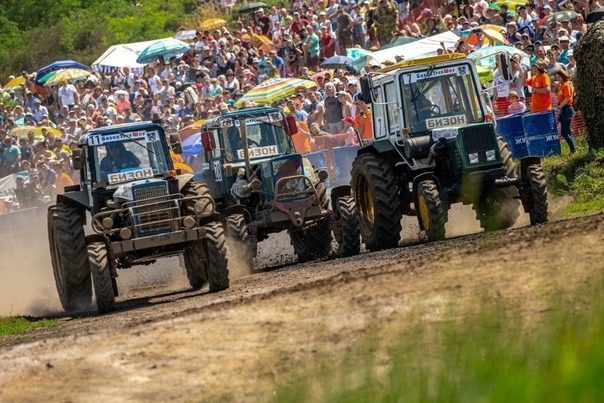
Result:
<point x="541" y="134"/>
<point x="511" y="128"/>
<point x="342" y="162"/>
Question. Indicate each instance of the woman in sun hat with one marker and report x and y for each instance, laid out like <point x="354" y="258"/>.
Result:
<point x="540" y="84"/>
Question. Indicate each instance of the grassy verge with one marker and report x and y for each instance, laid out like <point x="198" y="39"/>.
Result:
<point x="581" y="175"/>
<point x="20" y="324"/>
<point x="490" y="353"/>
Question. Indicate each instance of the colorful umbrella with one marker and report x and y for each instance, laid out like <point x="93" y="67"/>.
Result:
<point x="190" y="130"/>
<point x="356" y="53"/>
<point x="55" y="77"/>
<point x="212" y="24"/>
<point x="167" y="48"/>
<point x="251" y="7"/>
<point x="62" y="64"/>
<point x="14" y="83"/>
<point x="21" y="131"/>
<point x="337" y="62"/>
<point x="561" y="16"/>
<point x="274" y="90"/>
<point x="259" y="40"/>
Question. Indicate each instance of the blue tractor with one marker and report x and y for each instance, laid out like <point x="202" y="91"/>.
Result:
<point x="261" y="185"/>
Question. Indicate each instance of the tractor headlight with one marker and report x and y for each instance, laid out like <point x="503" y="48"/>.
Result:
<point x="491" y="155"/>
<point x="473" y="158"/>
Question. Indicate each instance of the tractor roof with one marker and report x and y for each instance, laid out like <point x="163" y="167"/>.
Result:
<point x="422" y="61"/>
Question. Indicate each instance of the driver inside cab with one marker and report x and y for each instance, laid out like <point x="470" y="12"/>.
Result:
<point x="118" y="159"/>
<point x="421" y="108"/>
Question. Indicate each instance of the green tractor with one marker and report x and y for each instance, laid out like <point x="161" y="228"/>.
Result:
<point x="435" y="145"/>
<point x="262" y="185"/>
<point x="140" y="208"/>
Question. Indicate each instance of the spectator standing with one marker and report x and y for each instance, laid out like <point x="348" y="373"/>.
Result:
<point x="312" y="49"/>
<point x="566" y="94"/>
<point x="344" y="31"/>
<point x="62" y="178"/>
<point x="540" y="84"/>
<point x="12" y="155"/>
<point x="516" y="106"/>
<point x="333" y="110"/>
<point x="385" y="17"/>
<point x="68" y="96"/>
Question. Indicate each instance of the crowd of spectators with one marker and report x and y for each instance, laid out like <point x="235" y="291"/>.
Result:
<point x="221" y="66"/>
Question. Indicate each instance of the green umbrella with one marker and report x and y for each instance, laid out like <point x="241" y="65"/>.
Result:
<point x="356" y="53"/>
<point x="402" y="40"/>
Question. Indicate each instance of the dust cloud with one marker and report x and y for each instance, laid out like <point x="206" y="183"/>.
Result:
<point x="27" y="285"/>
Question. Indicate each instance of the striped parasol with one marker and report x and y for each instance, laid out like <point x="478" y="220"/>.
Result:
<point x="273" y="90"/>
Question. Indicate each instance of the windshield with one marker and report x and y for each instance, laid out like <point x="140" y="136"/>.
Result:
<point x="264" y="139"/>
<point x="441" y="97"/>
<point x="124" y="157"/>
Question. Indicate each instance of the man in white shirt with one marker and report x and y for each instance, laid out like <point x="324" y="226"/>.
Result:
<point x="68" y="96"/>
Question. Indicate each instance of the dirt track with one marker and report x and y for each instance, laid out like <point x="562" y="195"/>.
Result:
<point x="165" y="343"/>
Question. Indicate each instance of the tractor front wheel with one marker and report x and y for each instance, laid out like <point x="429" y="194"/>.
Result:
<point x="431" y="211"/>
<point x="350" y="244"/>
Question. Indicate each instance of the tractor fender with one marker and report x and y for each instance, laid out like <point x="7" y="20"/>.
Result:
<point x="79" y="197"/>
<point x="338" y="192"/>
<point x="416" y="181"/>
<point x="206" y="179"/>
<point x="525" y="162"/>
<point x="377" y="147"/>
<point x="183" y="180"/>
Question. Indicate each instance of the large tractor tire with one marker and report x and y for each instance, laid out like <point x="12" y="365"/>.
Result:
<point x="314" y="242"/>
<point x="431" y="211"/>
<point x="206" y="261"/>
<point x="238" y="234"/>
<point x="378" y="201"/>
<point x="347" y="213"/>
<point x="101" y="277"/>
<point x="536" y="179"/>
<point x="199" y="206"/>
<point x="500" y="208"/>
<point x="69" y="257"/>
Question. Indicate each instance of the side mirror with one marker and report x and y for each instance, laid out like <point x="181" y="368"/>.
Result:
<point x="291" y="127"/>
<point x="77" y="159"/>
<point x="207" y="141"/>
<point x="504" y="59"/>
<point x="366" y="89"/>
<point x="175" y="143"/>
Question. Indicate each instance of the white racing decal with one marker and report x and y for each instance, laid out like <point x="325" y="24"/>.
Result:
<point x="259" y="152"/>
<point x="456" y="120"/>
<point x="97" y="140"/>
<point x="130" y="175"/>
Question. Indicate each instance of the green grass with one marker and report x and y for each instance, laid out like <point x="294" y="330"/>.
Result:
<point x="581" y="175"/>
<point x="491" y="354"/>
<point x="20" y="324"/>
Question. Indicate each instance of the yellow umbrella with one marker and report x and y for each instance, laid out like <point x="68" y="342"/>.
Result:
<point x="212" y="24"/>
<point x="21" y="131"/>
<point x="67" y="74"/>
<point x="14" y="83"/>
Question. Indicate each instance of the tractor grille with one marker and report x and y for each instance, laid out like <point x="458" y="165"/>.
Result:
<point x="153" y="210"/>
<point x="478" y="139"/>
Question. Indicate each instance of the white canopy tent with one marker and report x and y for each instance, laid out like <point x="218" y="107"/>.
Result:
<point x="118" y="56"/>
<point x="423" y="47"/>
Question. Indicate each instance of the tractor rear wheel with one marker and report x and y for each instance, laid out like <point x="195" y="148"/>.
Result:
<point x="376" y="194"/>
<point x="101" y="277"/>
<point x="431" y="211"/>
<point x="347" y="213"/>
<point x="499" y="209"/>
<point x="238" y="234"/>
<point x="314" y="242"/>
<point x="69" y="256"/>
<point x="536" y="179"/>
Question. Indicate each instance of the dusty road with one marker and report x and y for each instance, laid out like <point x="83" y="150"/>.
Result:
<point x="166" y="343"/>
